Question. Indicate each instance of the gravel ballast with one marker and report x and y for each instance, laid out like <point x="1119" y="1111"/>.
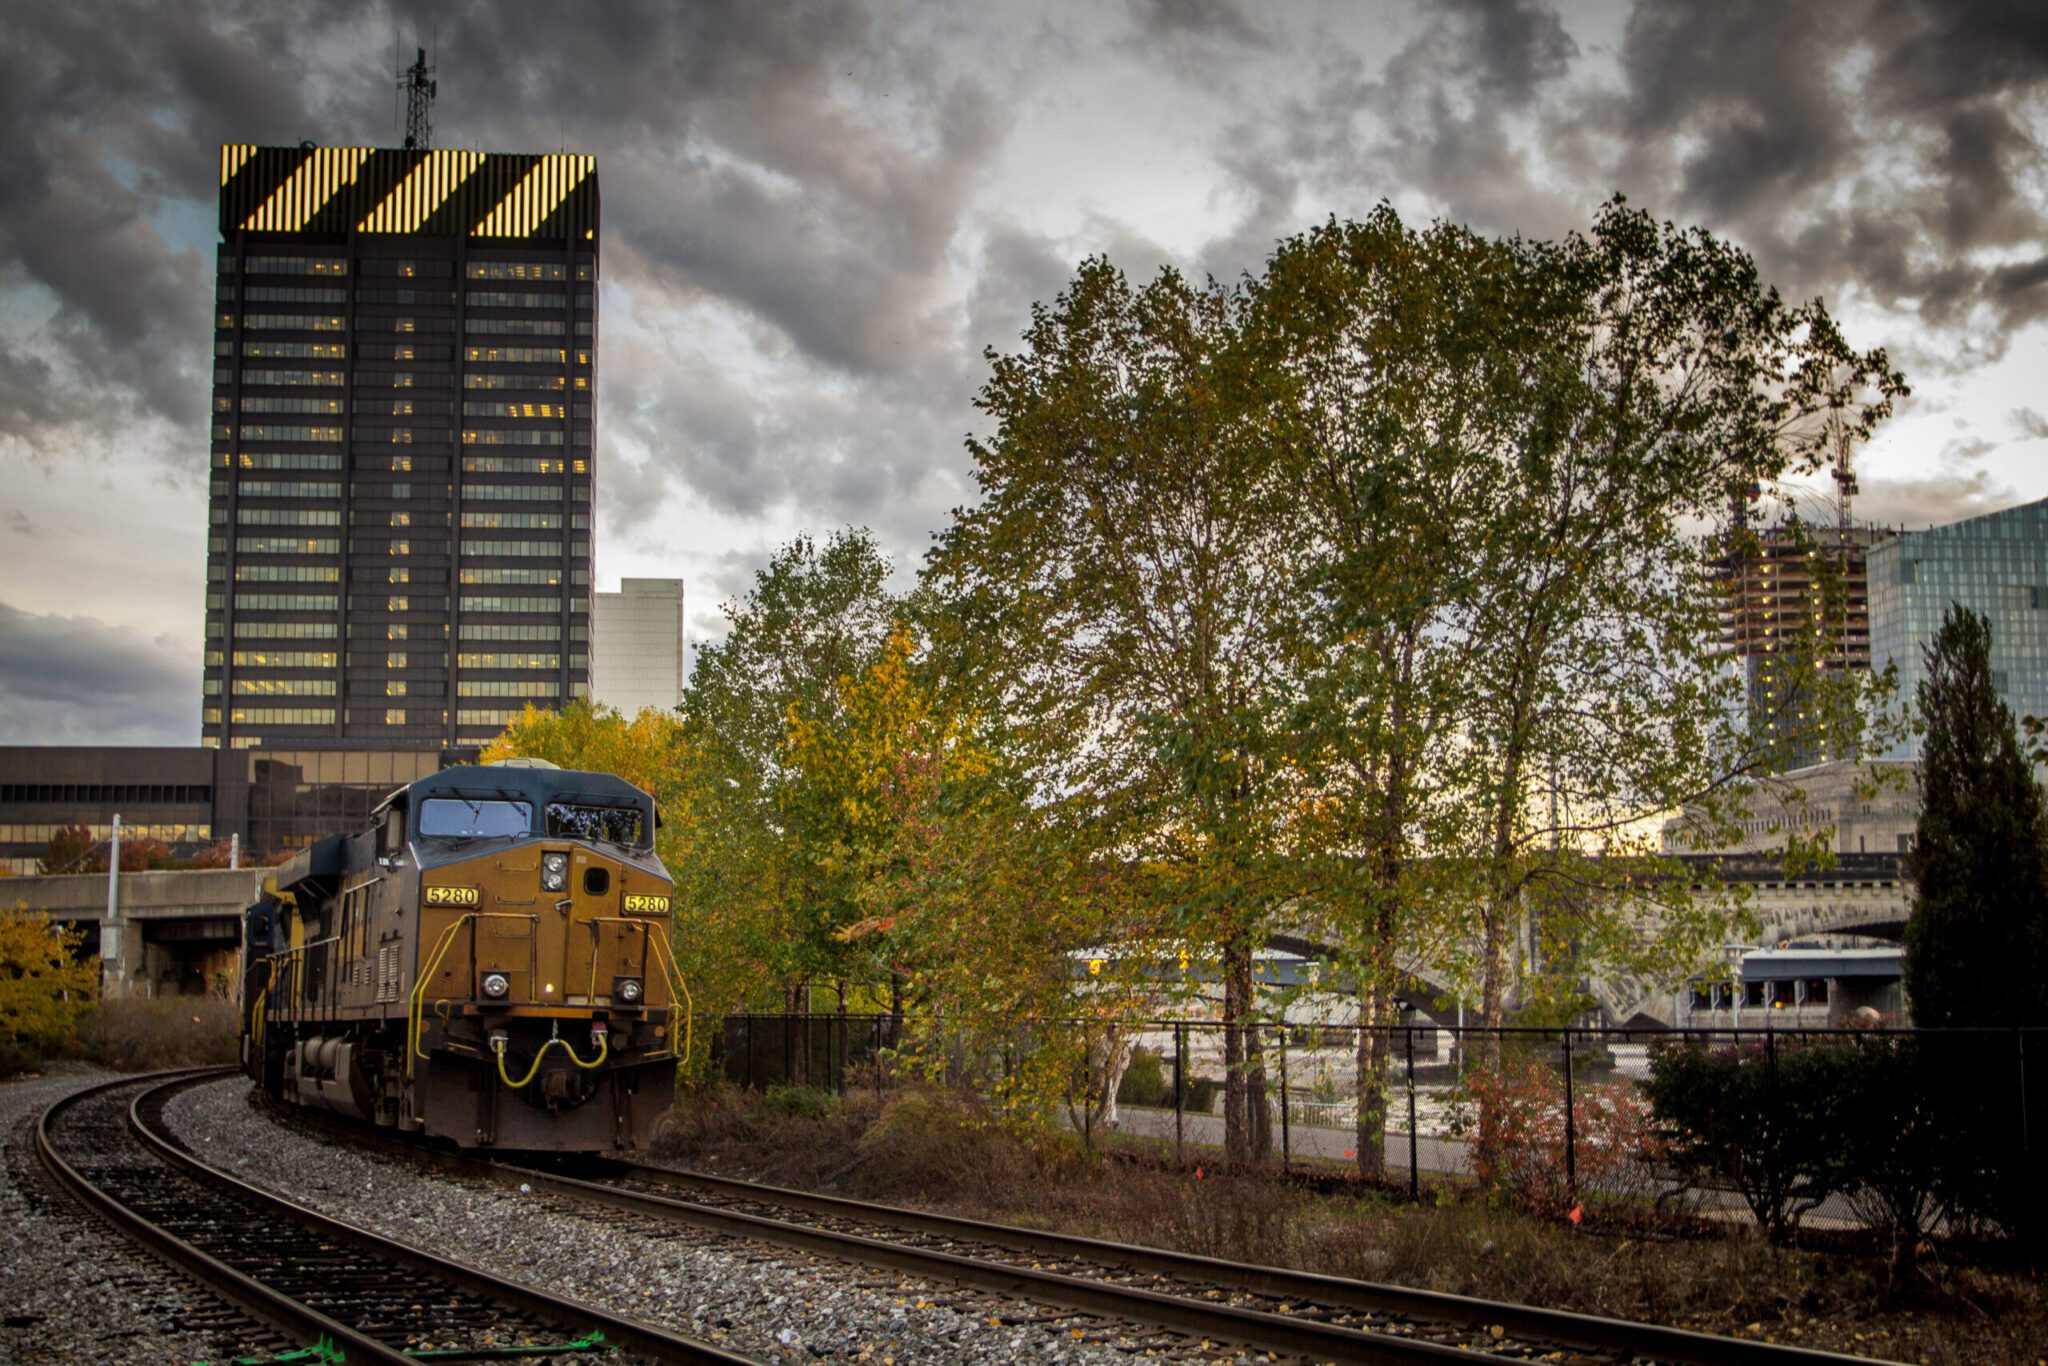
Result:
<point x="72" y="1289"/>
<point x="764" y="1302"/>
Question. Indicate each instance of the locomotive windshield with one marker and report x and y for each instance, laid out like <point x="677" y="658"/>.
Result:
<point x="625" y="825"/>
<point x="462" y="818"/>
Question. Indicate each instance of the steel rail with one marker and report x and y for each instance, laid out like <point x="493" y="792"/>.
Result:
<point x="1587" y="1331"/>
<point x="299" y="1321"/>
<point x="1254" y="1327"/>
<point x="285" y="1312"/>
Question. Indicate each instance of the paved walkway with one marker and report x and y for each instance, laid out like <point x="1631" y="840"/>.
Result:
<point x="1432" y="1154"/>
<point x="1303" y="1141"/>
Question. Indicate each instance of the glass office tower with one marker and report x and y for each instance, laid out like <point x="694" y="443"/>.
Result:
<point x="405" y="349"/>
<point x="1996" y="565"/>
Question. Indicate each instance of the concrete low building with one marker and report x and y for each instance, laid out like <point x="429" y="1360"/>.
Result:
<point x="272" y="800"/>
<point x="636" y="659"/>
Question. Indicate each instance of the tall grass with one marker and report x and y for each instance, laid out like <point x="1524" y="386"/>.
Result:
<point x="141" y="1034"/>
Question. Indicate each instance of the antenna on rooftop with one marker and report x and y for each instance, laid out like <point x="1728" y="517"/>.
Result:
<point x="420" y="88"/>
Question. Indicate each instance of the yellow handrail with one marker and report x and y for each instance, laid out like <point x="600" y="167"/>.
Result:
<point x="669" y="973"/>
<point x="674" y="977"/>
<point x="261" y="1010"/>
<point x="416" y="1005"/>
<point x="415" y="1002"/>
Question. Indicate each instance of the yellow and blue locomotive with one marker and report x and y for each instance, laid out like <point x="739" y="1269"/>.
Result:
<point x="488" y="962"/>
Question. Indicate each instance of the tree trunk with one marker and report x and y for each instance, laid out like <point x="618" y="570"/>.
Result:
<point x="1260" y="1113"/>
<point x="1494" y="970"/>
<point x="796" y="1030"/>
<point x="1371" y="1134"/>
<point x="1376" y="989"/>
<point x="1237" y="995"/>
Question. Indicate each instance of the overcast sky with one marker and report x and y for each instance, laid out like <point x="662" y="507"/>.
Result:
<point x="816" y="215"/>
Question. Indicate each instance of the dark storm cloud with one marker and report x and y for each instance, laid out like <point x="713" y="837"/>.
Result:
<point x="1453" y="114"/>
<point x="801" y="163"/>
<point x="1213" y="20"/>
<point x="1876" y="149"/>
<point x="1746" y="81"/>
<point x="1515" y="47"/>
<point x="106" y="113"/>
<point x="1887" y="148"/>
<point x="76" y="680"/>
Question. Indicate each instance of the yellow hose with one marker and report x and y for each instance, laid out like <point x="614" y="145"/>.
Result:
<point x="603" y="1048"/>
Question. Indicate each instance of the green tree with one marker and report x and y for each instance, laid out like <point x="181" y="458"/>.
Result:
<point x="1125" y="578"/>
<point x="816" y="615"/>
<point x="1507" y="453"/>
<point x="1390" y="351"/>
<point x="1978" y="931"/>
<point x="1980" y="857"/>
<point x="1669" y="382"/>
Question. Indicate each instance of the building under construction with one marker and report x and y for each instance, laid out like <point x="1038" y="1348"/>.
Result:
<point x="1797" y="609"/>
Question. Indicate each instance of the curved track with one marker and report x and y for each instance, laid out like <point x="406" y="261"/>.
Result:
<point x="312" y="1277"/>
<point x="1266" y="1308"/>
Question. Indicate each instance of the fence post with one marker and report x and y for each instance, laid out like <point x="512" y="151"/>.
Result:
<point x="1180" y="1087"/>
<point x="1414" y="1146"/>
<point x="878" y="1062"/>
<point x="1286" y="1145"/>
<point x="2032" y="1207"/>
<point x="1778" y="1175"/>
<point x="1571" y="1132"/>
<point x="747" y="1023"/>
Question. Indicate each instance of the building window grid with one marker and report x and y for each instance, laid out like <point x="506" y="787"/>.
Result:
<point x="555" y="383"/>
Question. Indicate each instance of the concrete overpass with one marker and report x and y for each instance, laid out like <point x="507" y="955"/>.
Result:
<point x="179" y="933"/>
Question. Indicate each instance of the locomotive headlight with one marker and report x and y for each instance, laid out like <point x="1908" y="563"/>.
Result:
<point x="495" y="985"/>
<point x="554" y="872"/>
<point x="626" y="990"/>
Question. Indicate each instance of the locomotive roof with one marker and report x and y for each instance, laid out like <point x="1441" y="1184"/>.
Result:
<point x="537" y="785"/>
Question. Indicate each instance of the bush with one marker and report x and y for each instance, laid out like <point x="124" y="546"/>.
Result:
<point x="1893" y="1148"/>
<point x="1144" y="1081"/>
<point x="138" y="1034"/>
<point x="808" y="1101"/>
<point x="1527" y="1159"/>
<point x="1762" y="1117"/>
<point x="45" y="988"/>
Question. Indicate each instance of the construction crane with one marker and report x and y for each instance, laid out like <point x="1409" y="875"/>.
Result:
<point x="1839" y="439"/>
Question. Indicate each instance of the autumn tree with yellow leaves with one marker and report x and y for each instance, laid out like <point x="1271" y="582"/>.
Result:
<point x="47" y="987"/>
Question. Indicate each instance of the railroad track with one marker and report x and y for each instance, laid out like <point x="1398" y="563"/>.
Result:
<point x="1266" y="1308"/>
<point x="313" y="1278"/>
<point x="1272" y="1309"/>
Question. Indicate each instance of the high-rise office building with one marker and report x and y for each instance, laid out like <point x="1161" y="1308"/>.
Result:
<point x="638" y="633"/>
<point x="1996" y="565"/>
<point x="405" y="351"/>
